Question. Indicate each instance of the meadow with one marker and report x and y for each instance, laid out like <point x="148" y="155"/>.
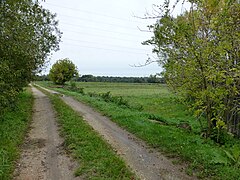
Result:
<point x="153" y="98"/>
<point x="155" y="114"/>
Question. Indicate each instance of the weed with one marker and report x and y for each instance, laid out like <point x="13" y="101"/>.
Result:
<point x="4" y="163"/>
<point x="222" y="137"/>
<point x="234" y="155"/>
<point x="73" y="87"/>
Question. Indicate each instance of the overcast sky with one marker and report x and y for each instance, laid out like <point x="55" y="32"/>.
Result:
<point x="102" y="37"/>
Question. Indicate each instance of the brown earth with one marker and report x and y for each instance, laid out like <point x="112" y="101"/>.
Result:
<point x="43" y="156"/>
<point x="146" y="162"/>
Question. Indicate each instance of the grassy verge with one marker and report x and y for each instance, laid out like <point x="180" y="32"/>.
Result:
<point x="206" y="158"/>
<point x="13" y="127"/>
<point x="96" y="158"/>
<point x="154" y="99"/>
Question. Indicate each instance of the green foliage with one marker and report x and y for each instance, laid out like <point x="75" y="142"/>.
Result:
<point x="115" y="99"/>
<point x="221" y="136"/>
<point x="73" y="85"/>
<point x="199" y="51"/>
<point x="119" y="100"/>
<point x="28" y="34"/>
<point x="13" y="127"/>
<point x="150" y="79"/>
<point x="63" y="70"/>
<point x="234" y="155"/>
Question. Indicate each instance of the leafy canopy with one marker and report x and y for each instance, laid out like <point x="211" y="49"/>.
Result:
<point x="63" y="70"/>
<point x="200" y="53"/>
<point x="28" y="33"/>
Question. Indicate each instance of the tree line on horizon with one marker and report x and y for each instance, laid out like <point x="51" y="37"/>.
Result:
<point x="92" y="78"/>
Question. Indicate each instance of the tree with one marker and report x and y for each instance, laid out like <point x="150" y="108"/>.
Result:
<point x="63" y="70"/>
<point x="200" y="53"/>
<point x="153" y="79"/>
<point x="88" y="78"/>
<point x="28" y="33"/>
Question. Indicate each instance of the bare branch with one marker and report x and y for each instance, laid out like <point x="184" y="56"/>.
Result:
<point x="154" y="10"/>
<point x="144" y="30"/>
<point x="155" y="14"/>
<point x="148" y="17"/>
<point x="174" y="6"/>
<point x="182" y="6"/>
<point x="148" y="62"/>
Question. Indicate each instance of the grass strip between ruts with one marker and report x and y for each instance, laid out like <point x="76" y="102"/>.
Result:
<point x="97" y="159"/>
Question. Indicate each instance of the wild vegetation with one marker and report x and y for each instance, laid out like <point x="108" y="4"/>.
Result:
<point x="13" y="127"/>
<point x="164" y="122"/>
<point x="28" y="34"/>
<point x="199" y="51"/>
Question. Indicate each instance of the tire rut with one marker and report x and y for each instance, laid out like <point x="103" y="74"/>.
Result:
<point x="147" y="163"/>
<point x="43" y="156"/>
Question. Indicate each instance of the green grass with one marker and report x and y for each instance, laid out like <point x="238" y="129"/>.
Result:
<point x="154" y="98"/>
<point x="205" y="158"/>
<point x="96" y="158"/>
<point x="13" y="127"/>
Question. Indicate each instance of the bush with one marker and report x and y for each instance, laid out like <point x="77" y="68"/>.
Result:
<point x="62" y="71"/>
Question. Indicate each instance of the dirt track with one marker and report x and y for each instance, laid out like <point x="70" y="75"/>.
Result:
<point x="144" y="161"/>
<point x="43" y="157"/>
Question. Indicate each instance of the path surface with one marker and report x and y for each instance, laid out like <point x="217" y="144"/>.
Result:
<point x="144" y="161"/>
<point x="43" y="156"/>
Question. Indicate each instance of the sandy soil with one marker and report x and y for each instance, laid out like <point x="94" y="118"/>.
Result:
<point x="43" y="156"/>
<point x="146" y="162"/>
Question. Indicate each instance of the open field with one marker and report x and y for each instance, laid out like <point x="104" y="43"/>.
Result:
<point x="154" y="98"/>
<point x="204" y="157"/>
